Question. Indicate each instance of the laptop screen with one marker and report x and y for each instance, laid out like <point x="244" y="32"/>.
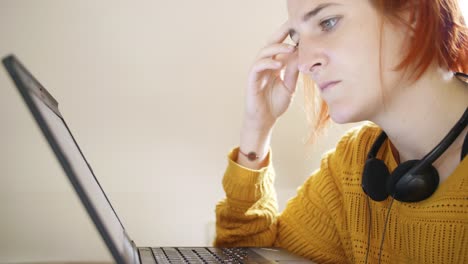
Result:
<point x="72" y="161"/>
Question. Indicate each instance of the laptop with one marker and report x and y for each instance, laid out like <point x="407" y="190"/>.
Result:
<point x="44" y="109"/>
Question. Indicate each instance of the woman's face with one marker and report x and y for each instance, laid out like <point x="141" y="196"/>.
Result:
<point x="339" y="42"/>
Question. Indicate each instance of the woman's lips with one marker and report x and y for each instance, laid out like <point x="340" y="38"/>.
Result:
<point x="327" y="85"/>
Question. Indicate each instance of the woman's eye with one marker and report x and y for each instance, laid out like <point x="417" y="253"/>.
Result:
<point x="329" y="24"/>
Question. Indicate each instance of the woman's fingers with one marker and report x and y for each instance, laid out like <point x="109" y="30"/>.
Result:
<point x="263" y="65"/>
<point x="291" y="73"/>
<point x="289" y="63"/>
<point x="280" y="35"/>
<point x="274" y="49"/>
<point x="273" y="58"/>
<point x="267" y="64"/>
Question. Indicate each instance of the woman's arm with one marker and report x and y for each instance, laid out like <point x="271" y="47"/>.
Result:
<point x="309" y="226"/>
<point x="248" y="214"/>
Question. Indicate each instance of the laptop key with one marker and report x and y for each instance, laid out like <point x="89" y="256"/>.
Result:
<point x="146" y="256"/>
<point x="172" y="255"/>
<point x="159" y="256"/>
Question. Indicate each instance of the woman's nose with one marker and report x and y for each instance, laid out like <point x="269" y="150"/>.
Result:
<point x="309" y="68"/>
<point x="311" y="59"/>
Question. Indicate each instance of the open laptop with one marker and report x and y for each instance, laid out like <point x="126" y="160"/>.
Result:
<point x="45" y="110"/>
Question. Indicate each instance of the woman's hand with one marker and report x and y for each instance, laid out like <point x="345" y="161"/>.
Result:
<point x="268" y="93"/>
<point x="270" y="89"/>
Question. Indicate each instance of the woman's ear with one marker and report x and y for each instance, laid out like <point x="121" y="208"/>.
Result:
<point x="412" y="22"/>
<point x="409" y="18"/>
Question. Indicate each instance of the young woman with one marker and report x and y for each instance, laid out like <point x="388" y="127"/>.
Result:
<point x="390" y="62"/>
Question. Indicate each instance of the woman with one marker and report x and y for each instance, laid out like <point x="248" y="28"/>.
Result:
<point x="391" y="62"/>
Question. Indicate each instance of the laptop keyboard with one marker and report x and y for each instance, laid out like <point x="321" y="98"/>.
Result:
<point x="199" y="255"/>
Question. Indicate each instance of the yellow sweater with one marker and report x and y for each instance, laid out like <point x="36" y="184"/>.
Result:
<point x="328" y="219"/>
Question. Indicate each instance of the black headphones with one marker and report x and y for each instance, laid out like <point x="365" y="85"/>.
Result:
<point x="413" y="180"/>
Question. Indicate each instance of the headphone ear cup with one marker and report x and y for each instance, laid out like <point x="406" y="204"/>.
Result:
<point x="374" y="179"/>
<point x="399" y="171"/>
<point x="413" y="187"/>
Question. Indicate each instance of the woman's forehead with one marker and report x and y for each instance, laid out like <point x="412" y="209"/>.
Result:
<point x="299" y="9"/>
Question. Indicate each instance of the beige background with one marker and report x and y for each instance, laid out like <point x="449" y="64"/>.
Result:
<point x="153" y="92"/>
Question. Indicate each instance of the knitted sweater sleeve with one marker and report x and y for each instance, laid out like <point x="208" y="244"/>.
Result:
<point x="248" y="216"/>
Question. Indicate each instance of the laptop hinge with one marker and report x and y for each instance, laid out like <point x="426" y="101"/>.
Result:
<point x="130" y="251"/>
<point x="135" y="253"/>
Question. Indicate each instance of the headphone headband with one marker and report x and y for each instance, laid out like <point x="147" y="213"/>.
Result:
<point x="412" y="180"/>
<point x="436" y="152"/>
<point x="464" y="75"/>
<point x="443" y="145"/>
<point x="376" y="146"/>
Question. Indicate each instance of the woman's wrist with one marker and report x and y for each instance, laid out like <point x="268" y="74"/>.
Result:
<point x="253" y="148"/>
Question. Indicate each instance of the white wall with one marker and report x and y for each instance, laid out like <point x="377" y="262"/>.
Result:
<point x="153" y="92"/>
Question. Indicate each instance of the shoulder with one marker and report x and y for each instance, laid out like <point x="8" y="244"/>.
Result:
<point x="346" y="161"/>
<point x="352" y="149"/>
<point x="340" y="169"/>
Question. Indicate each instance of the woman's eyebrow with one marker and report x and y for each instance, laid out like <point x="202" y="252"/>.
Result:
<point x="316" y="10"/>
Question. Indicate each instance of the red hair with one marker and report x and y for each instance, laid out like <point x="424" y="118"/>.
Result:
<point x="439" y="34"/>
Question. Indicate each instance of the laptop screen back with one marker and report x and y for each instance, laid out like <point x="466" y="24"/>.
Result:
<point x="73" y="162"/>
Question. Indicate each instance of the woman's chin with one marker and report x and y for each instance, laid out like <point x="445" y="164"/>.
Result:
<point x="344" y="117"/>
